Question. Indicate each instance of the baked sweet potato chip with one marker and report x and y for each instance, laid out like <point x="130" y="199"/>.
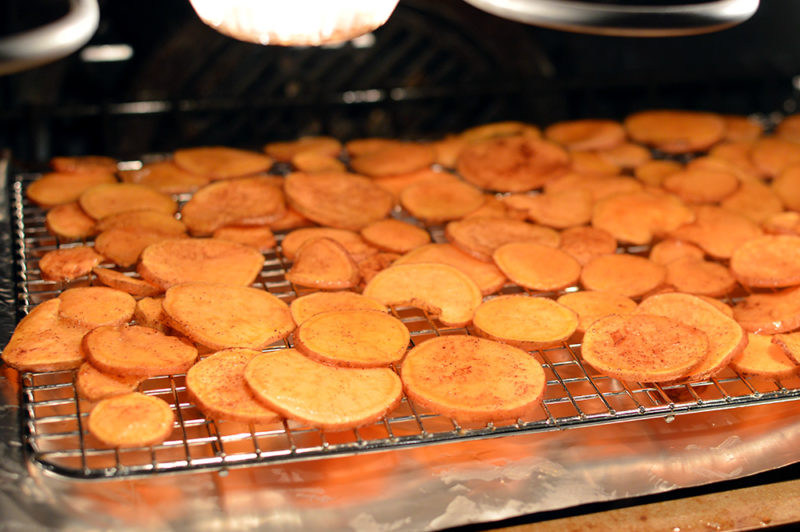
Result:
<point x="562" y="209"/>
<point x="123" y="247"/>
<point x="310" y="305"/>
<point x="701" y="186"/>
<point x="598" y="187"/>
<point x="220" y="162"/>
<point x="395" y="236"/>
<point x="507" y="128"/>
<point x="676" y="131"/>
<point x="672" y="249"/>
<point x="480" y="237"/>
<point x="165" y="177"/>
<point x="397" y="183"/>
<point x="586" y="242"/>
<point x="790" y="344"/>
<point x="313" y="162"/>
<point x="768" y="261"/>
<point x="741" y="128"/>
<point x="150" y="313"/>
<point x="782" y="223"/>
<point x="66" y="264"/>
<point x="149" y="221"/>
<point x="590" y="305"/>
<point x="84" y="163"/>
<point x="94" y="306"/>
<point x="94" y="385"/>
<point x="69" y="222"/>
<point x="537" y="266"/>
<point x="765" y="358"/>
<point x="323" y="263"/>
<point x="104" y="200"/>
<point x="638" y="217"/>
<point x="627" y="155"/>
<point x="700" y="277"/>
<point x="397" y="158"/>
<point x="286" y="150"/>
<point x="718" y="231"/>
<point x="591" y="163"/>
<point x="588" y="134"/>
<point x="769" y="313"/>
<point x="259" y="238"/>
<point x="652" y="173"/>
<point x="754" y="200"/>
<point x="60" y="188"/>
<point x="131" y="420"/>
<point x="773" y="155"/>
<point x="526" y="322"/>
<point x="629" y="275"/>
<point x="125" y="283"/>
<point x="355" y="245"/>
<point x="441" y="201"/>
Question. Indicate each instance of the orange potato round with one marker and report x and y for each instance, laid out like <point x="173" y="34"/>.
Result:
<point x="764" y="358"/>
<point x="94" y="385"/>
<point x="124" y="283"/>
<point x="397" y="183"/>
<point x="328" y="397"/>
<point x="718" y="231"/>
<point x="149" y="312"/>
<point x="773" y="155"/>
<point x="638" y="217"/>
<point x="560" y="210"/>
<point x="480" y="237"/>
<point x="131" y="420"/>
<point x="447" y="150"/>
<point x="506" y="128"/>
<point x="742" y="128"/>
<point x="701" y="186"/>
<point x="672" y="249"/>
<point x="599" y="186"/>
<point x="69" y="222"/>
<point x="259" y="238"/>
<point x="790" y="344"/>
<point x="628" y="275"/>
<point x="123" y="246"/>
<point x="291" y="219"/>
<point x="699" y="277"/>
<point x="585" y="243"/>
<point x="165" y="177"/>
<point x="738" y="155"/>
<point x="66" y="264"/>
<point x="768" y="261"/>
<point x="473" y="379"/>
<point x="94" y="306"/>
<point x="149" y="221"/>
<point x="526" y="322"/>
<point x="592" y="163"/>
<point x="590" y="306"/>
<point x="787" y="187"/>
<point x="536" y="266"/>
<point x="440" y="201"/>
<point x="219" y="162"/>
<point x="745" y="173"/>
<point x="60" y="188"/>
<point x="323" y="263"/>
<point x="312" y="162"/>
<point x="310" y="305"/>
<point x="350" y="240"/>
<point x="782" y="223"/>
<point x="286" y="150"/>
<point x="84" y="163"/>
<point x="357" y="147"/>
<point x="395" y="236"/>
<point x="654" y="172"/>
<point x="676" y="131"/>
<point x="587" y="134"/>
<point x="627" y="155"/>
<point x="769" y="313"/>
<point x="368" y="267"/>
<point x="104" y="200"/>
<point x="755" y="201"/>
<point x="397" y="158"/>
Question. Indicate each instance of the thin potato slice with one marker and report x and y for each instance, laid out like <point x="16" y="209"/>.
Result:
<point x="590" y="306"/>
<point x="121" y="282"/>
<point x="745" y="173"/>
<point x="789" y="128"/>
<point x="355" y="245"/>
<point x="699" y="277"/>
<point x="718" y="231"/>
<point x="59" y="188"/>
<point x="69" y="222"/>
<point x="653" y="173"/>
<point x="701" y="186"/>
<point x="369" y="267"/>
<point x="536" y="266"/>
<point x="123" y="247"/>
<point x="754" y="200"/>
<point x="149" y="312"/>
<point x="398" y="158"/>
<point x="494" y="207"/>
<point x="741" y="128"/>
<point x="258" y="238"/>
<point x="221" y="316"/>
<point x="95" y="306"/>
<point x="769" y="313"/>
<point x="598" y="186"/>
<point x="773" y="155"/>
<point x="790" y="344"/>
<point x="219" y="162"/>
<point x="441" y="201"/>
<point x="184" y="260"/>
<point x="586" y="243"/>
<point x="94" y="385"/>
<point x="473" y="379"/>
<point x="787" y="187"/>
<point x="353" y="338"/>
<point x="447" y="150"/>
<point x="357" y="147"/>
<point x="395" y="236"/>
<point x="328" y="397"/>
<point x="643" y="347"/>
<point x="150" y="221"/>
<point x="397" y="183"/>
<point x="628" y="275"/>
<point x="628" y="155"/>
<point x="287" y="150"/>
<point x="589" y="134"/>
<point x="104" y="200"/>
<point x="480" y="237"/>
<point x="84" y="163"/>
<point x="291" y="219"/>
<point x="560" y="210"/>
<point x="217" y="386"/>
<point x="672" y="249"/>
<point x="137" y="350"/>
<point x="768" y="261"/>
<point x="592" y="164"/>
<point x="131" y="420"/>
<point x="719" y="305"/>
<point x="439" y="289"/>
<point x="312" y="161"/>
<point x="66" y="264"/>
<point x="323" y="263"/>
<point x="43" y="341"/>
<point x="676" y="131"/>
<point x="165" y="177"/>
<point x="638" y="217"/>
<point x="782" y="223"/>
<point x="526" y="322"/>
<point x="765" y="358"/>
<point x="726" y="338"/>
<point x="310" y="305"/>
<point x="508" y="128"/>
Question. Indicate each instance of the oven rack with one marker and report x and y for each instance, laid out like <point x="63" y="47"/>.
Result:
<point x="54" y="417"/>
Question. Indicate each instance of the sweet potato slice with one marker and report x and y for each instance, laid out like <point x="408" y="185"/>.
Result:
<point x="672" y="249"/>
<point x="149" y="312"/>
<point x="397" y="183"/>
<point x="286" y="150"/>
<point x="628" y="275"/>
<point x="637" y="217"/>
<point x="598" y="186"/>
<point x="441" y="201"/>
<point x="357" y="147"/>
<point x="790" y="344"/>
<point x="395" y="236"/>
<point x="94" y="306"/>
<point x="60" y="188"/>
<point x="745" y="173"/>
<point x="150" y="221"/>
<point x="755" y="201"/>
<point x="84" y="163"/>
<point x="473" y="379"/>
<point x="104" y="200"/>
<point x="782" y="223"/>
<point x="768" y="261"/>
<point x="627" y="155"/>
<point x="43" y="341"/>
<point x="726" y="338"/>
<point x="447" y="150"/>
<point x="508" y="128"/>
<point x="217" y="387"/>
<point x="439" y="289"/>
<point x="353" y="338"/>
<point x="787" y="187"/>
<point x="718" y="231"/>
<point x="526" y="322"/>
<point x="590" y="306"/>
<point x="676" y="131"/>
<point x="765" y="358"/>
<point x="323" y="263"/>
<point x="480" y="237"/>
<point x="131" y="420"/>
<point x="355" y="245"/>
<point x="773" y="155"/>
<point x="184" y="260"/>
<point x="741" y="128"/>
<point x="700" y="277"/>
<point x="125" y="283"/>
<point x="654" y="172"/>
<point x="536" y="266"/>
<point x="66" y="264"/>
<point x="94" y="385"/>
<point x="643" y="347"/>
<point x="585" y="243"/>
<point x="368" y="267"/>
<point x="562" y="209"/>
<point x="123" y="246"/>
<point x="769" y="313"/>
<point x="221" y="316"/>
<point x="291" y="219"/>
<point x="486" y="275"/>
<point x="320" y="395"/>
<point x="258" y="238"/>
<point x="220" y="162"/>
<point x="312" y="161"/>
<point x="591" y="163"/>
<point x="588" y="134"/>
<point x="789" y="128"/>
<point x="310" y="305"/>
<point x="398" y="158"/>
<point x="701" y="186"/>
<point x="69" y="222"/>
<point x="165" y="177"/>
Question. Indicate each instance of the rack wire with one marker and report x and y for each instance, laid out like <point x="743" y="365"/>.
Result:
<point x="54" y="416"/>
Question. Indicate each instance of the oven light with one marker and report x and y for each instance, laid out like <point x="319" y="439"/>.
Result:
<point x="106" y="53"/>
<point x="295" y="23"/>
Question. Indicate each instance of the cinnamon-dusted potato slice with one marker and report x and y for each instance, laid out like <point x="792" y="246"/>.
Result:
<point x="512" y="164"/>
<point x="221" y="316"/>
<point x="368" y="267"/>
<point x="355" y="245"/>
<point x="137" y="350"/>
<point x="121" y="282"/>
<point x="217" y="387"/>
<point x="637" y="217"/>
<point x="42" y="341"/>
<point x="439" y="289"/>
<point x="165" y="177"/>
<point x="473" y="379"/>
<point x="585" y="243"/>
<point x="320" y="395"/>
<point x="562" y="209"/>
<point x="441" y="201"/>
<point x="526" y="322"/>
<point x="672" y="249"/>
<point x="184" y="260"/>
<point x="718" y="231"/>
<point x="590" y="305"/>
<point x="395" y="236"/>
<point x="486" y="275"/>
<point x="310" y="305"/>
<point x="769" y="313"/>
<point x="66" y="264"/>
<point x="123" y="247"/>
<point x="508" y="128"/>
<point x="131" y="420"/>
<point x="588" y="134"/>
<point x="629" y="275"/>
<point x="599" y="186"/>
<point x="537" y="266"/>
<point x="726" y="338"/>
<point x="150" y="221"/>
<point x="94" y="385"/>
<point x="312" y="162"/>
<point x="260" y="238"/>
<point x="69" y="222"/>
<point x="94" y="306"/>
<point x="765" y="358"/>
<point x="286" y="150"/>
<point x="60" y="188"/>
<point x="676" y="131"/>
<point x="773" y="155"/>
<point x="790" y="344"/>
<point x="397" y="158"/>
<point x="480" y="237"/>
<point x="149" y="312"/>
<point x="323" y="263"/>
<point x="654" y="172"/>
<point x="754" y="200"/>
<point x="337" y="199"/>
<point x="742" y="128"/>
<point x="719" y="305"/>
<point x="643" y="347"/>
<point x="768" y="261"/>
<point x="245" y="201"/>
<point x="627" y="155"/>
<point x="84" y="163"/>
<point x="220" y="162"/>
<point x="104" y="200"/>
<point x="353" y="338"/>
<point x="700" y="277"/>
<point x="701" y="186"/>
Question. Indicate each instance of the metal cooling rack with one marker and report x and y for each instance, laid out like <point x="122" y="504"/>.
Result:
<point x="54" y="417"/>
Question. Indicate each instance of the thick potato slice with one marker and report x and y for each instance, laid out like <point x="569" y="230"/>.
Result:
<point x="104" y="200"/>
<point x="397" y="158"/>
<point x="84" y="163"/>
<point x="768" y="261"/>
<point x="718" y="231"/>
<point x="320" y="395"/>
<point x="473" y="379"/>
<point x="137" y="350"/>
<point x="537" y="266"/>
<point x="150" y="313"/>
<point x="590" y="305"/>
<point x="287" y="150"/>
<point x="131" y="420"/>
<point x="94" y="306"/>
<point x="66" y="264"/>
<point x="439" y="289"/>
<point x="700" y="277"/>
<point x="43" y="341"/>
<point x="220" y="162"/>
<point x="94" y="385"/>
<point x="628" y="275"/>
<point x="355" y="245"/>
<point x="395" y="236"/>
<point x="440" y="201"/>
<point x="69" y="222"/>
<point x="676" y="131"/>
<point x="765" y="358"/>
<point x="726" y="338"/>
<point x="165" y="177"/>
<point x="637" y="217"/>
<point x="310" y="305"/>
<point x="124" y="246"/>
<point x="149" y="221"/>
<point x="769" y="313"/>
<point x="585" y="243"/>
<point x="480" y="237"/>
<point x="323" y="263"/>
<point x="701" y="186"/>
<point x="216" y="385"/>
<point x="526" y="322"/>
<point x="353" y="338"/>
<point x="185" y="260"/>
<point x="259" y="238"/>
<point x="643" y="347"/>
<point x="589" y="134"/>
<point x="222" y="316"/>
<point x="672" y="249"/>
<point x="121" y="282"/>
<point x="59" y="188"/>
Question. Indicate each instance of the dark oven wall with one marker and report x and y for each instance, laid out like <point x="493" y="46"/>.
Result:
<point x="435" y="67"/>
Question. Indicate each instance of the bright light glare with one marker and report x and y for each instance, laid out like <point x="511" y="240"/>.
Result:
<point x="107" y="53"/>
